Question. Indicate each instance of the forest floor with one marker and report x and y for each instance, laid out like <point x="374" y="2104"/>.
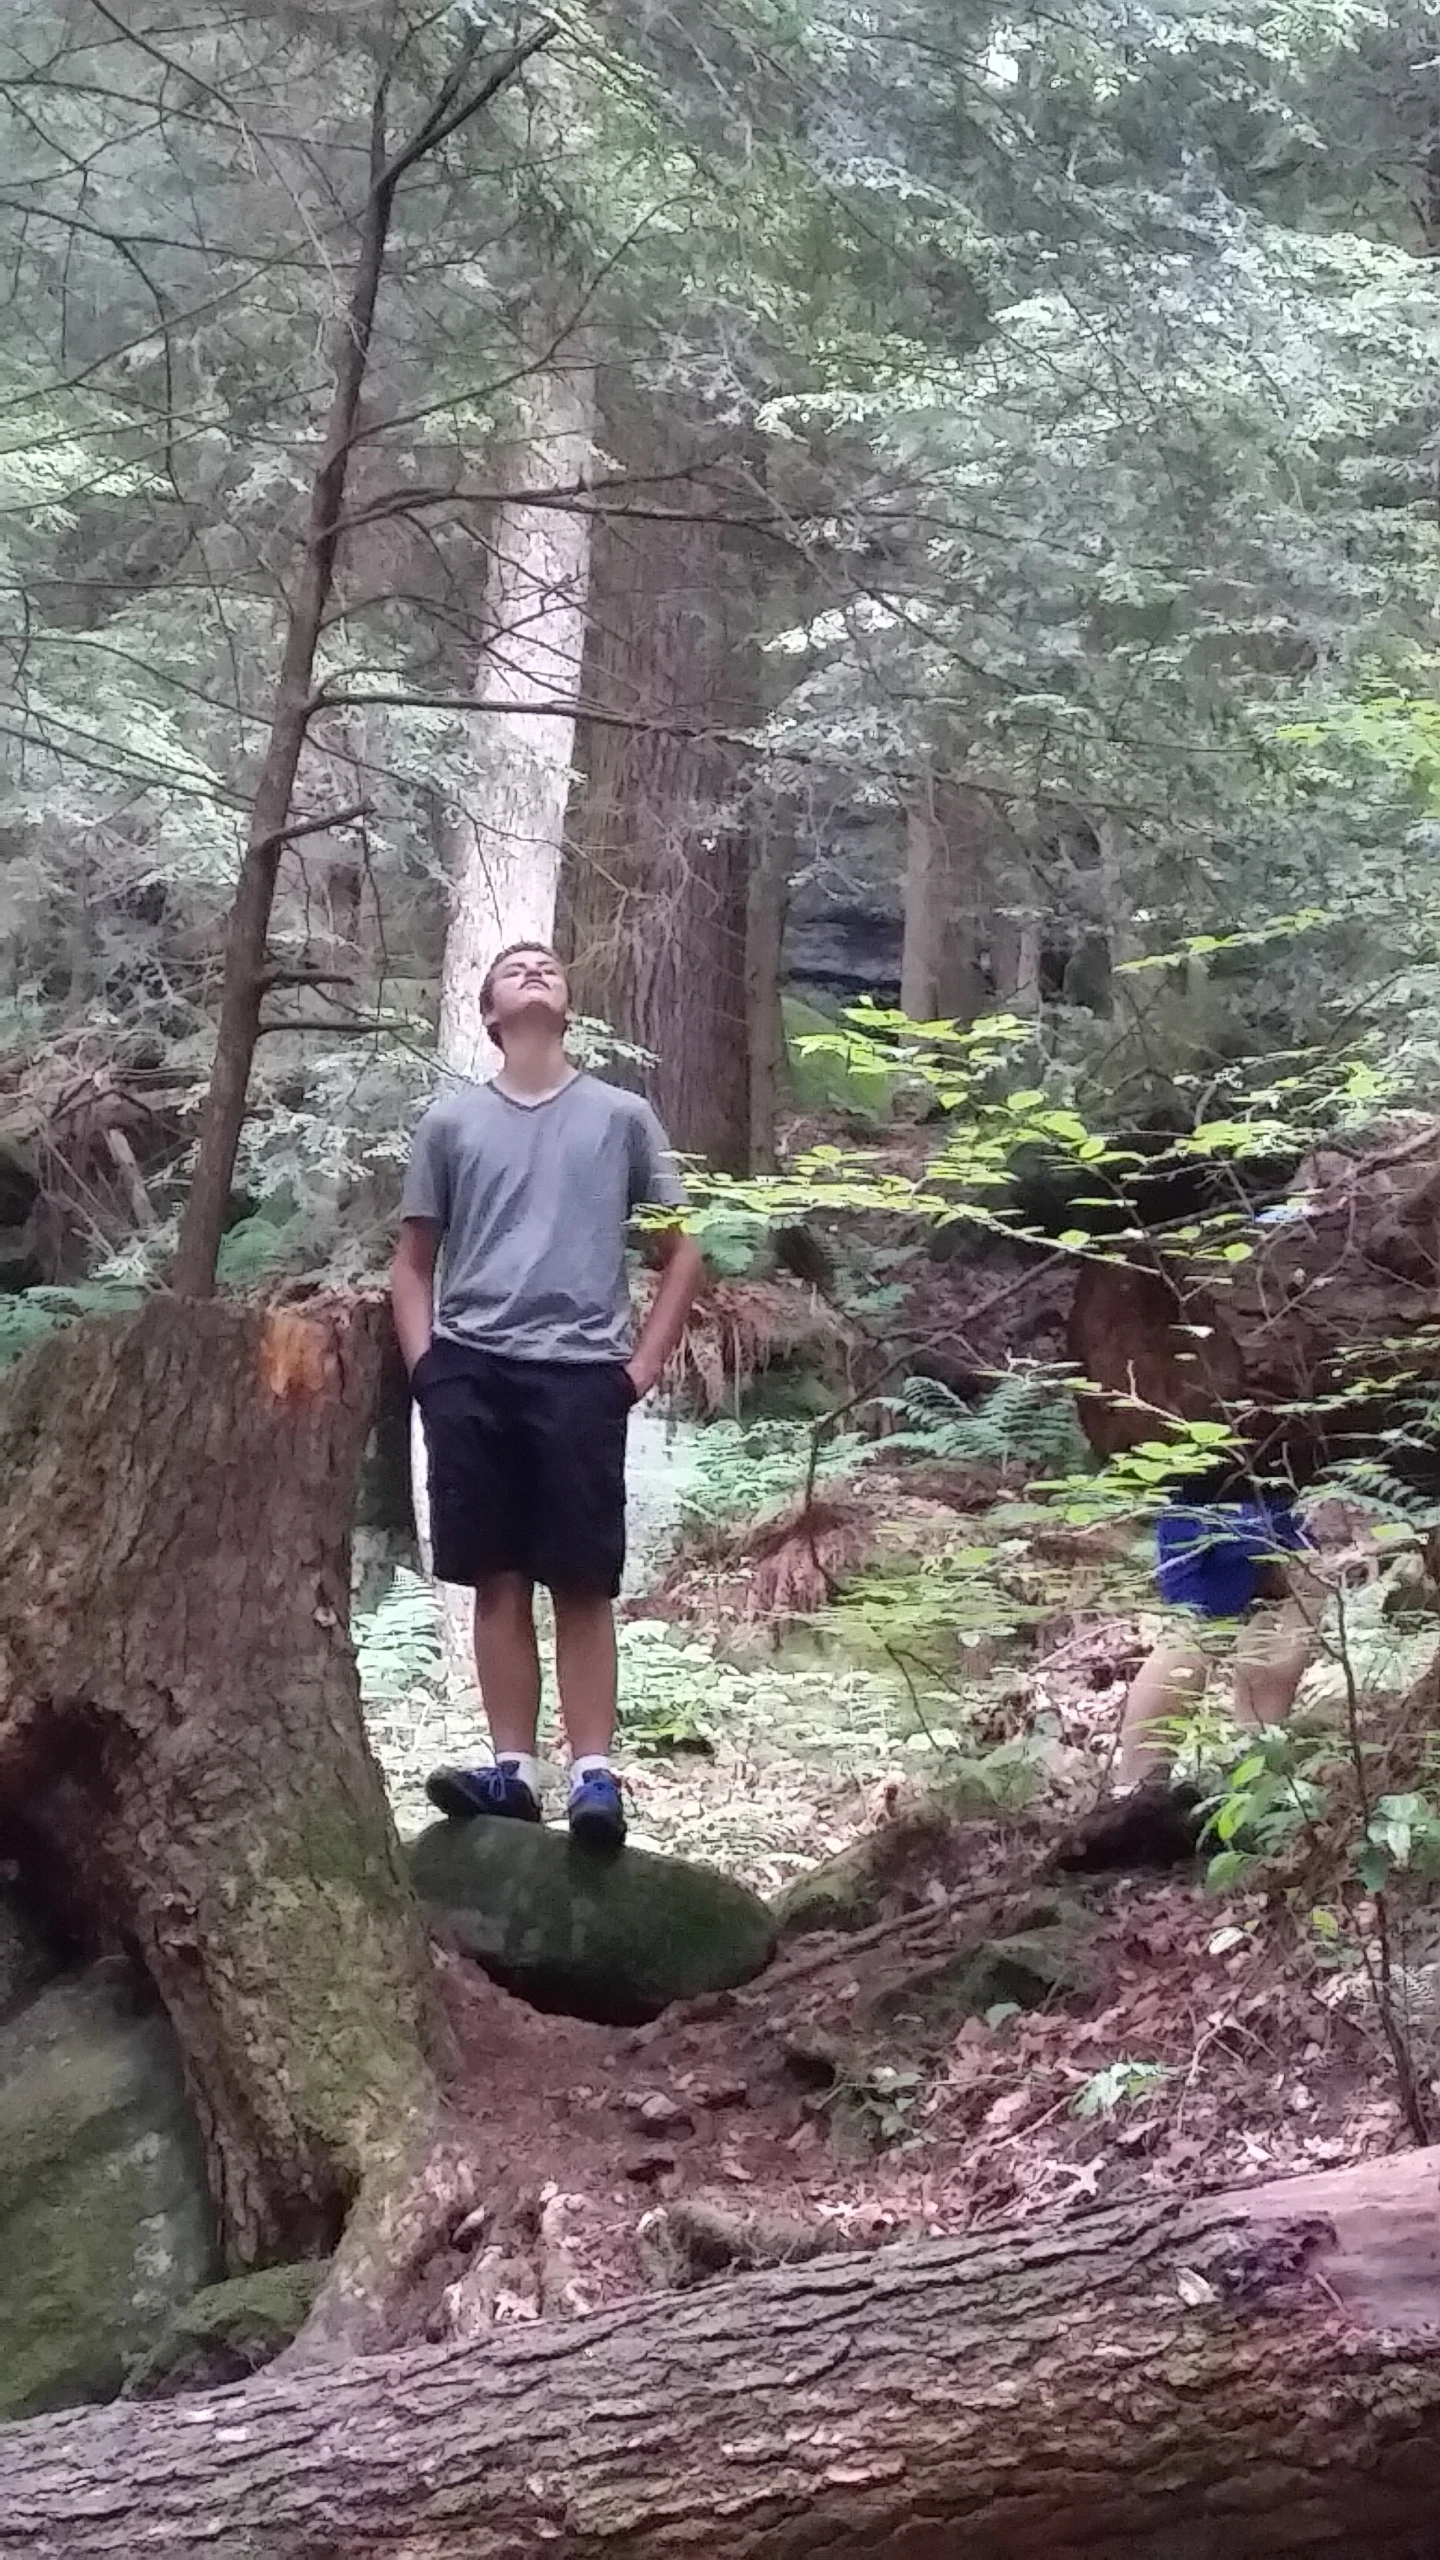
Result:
<point x="861" y="2090"/>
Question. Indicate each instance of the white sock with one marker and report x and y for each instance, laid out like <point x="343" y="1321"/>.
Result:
<point x="522" y="1765"/>
<point x="591" y="1764"/>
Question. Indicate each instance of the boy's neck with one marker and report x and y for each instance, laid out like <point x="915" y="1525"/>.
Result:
<point x="535" y="1063"/>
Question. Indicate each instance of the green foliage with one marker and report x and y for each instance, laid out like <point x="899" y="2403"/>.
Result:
<point x="741" y="1470"/>
<point x="1136" y="1481"/>
<point x="31" y="1314"/>
<point x="835" y="1069"/>
<point x="732" y="1241"/>
<point x="1402" y="1832"/>
<point x="674" y="1693"/>
<point x="1006" y="1778"/>
<point x="1272" y="1795"/>
<point x="946" y="1610"/>
<point x="1027" y="1418"/>
<point x="1286" y="1786"/>
<point x="397" y="1642"/>
<point x="1104" y="341"/>
<point x="263" y="1245"/>
<point x="1117" y="2085"/>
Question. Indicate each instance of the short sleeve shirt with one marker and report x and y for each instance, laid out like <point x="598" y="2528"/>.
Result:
<point x="533" y="1201"/>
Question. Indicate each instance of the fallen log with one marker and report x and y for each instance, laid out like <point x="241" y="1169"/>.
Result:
<point x="1254" y="2373"/>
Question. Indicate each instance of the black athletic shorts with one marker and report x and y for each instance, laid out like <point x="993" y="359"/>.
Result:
<point x="527" y="1466"/>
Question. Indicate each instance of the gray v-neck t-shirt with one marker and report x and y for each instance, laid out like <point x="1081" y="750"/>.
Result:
<point x="533" y="1200"/>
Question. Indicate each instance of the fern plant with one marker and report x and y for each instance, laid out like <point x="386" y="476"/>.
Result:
<point x="743" y="1470"/>
<point x="27" y="1317"/>
<point x="1028" y="1418"/>
<point x="397" y="1643"/>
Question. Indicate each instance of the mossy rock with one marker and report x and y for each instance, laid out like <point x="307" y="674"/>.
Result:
<point x="228" y="2331"/>
<point x="614" y="1939"/>
<point x="105" y="2220"/>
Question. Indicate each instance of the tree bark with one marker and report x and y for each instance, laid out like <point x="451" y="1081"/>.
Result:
<point x="182" y="1757"/>
<point x="946" y="893"/>
<point x="1252" y="2374"/>
<point x="659" y="881"/>
<point x="765" y="1027"/>
<point x="1280" y="1343"/>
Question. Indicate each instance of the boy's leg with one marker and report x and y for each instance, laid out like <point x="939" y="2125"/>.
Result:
<point x="508" y="1664"/>
<point x="508" y="1661"/>
<point x="577" y="1417"/>
<point x="586" y="1671"/>
<point x="480" y="1507"/>
<point x="1169" y="1684"/>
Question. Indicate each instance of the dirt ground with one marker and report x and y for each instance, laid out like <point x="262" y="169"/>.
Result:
<point x="849" y="2098"/>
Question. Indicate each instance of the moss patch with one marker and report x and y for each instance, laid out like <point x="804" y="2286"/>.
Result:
<point x="105" y="2223"/>
<point x="228" y="2331"/>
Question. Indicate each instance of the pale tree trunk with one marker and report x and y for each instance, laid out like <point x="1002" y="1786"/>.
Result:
<point x="924" y="871"/>
<point x="508" y="838"/>
<point x="1247" y="2375"/>
<point x="1017" y="949"/>
<point x="506" y="842"/>
<point x="659" y="885"/>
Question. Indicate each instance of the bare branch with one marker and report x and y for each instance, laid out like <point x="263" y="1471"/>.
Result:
<point x="320" y="824"/>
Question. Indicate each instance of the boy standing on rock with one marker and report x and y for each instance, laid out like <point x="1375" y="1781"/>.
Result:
<point x="525" y="1375"/>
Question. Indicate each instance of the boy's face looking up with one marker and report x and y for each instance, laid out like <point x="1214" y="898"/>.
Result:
<point x="525" y="985"/>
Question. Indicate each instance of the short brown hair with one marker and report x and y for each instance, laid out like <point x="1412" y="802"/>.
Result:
<point x="511" y="952"/>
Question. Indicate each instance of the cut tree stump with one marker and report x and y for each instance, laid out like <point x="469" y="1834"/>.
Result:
<point x="183" y="1765"/>
<point x="1250" y="2374"/>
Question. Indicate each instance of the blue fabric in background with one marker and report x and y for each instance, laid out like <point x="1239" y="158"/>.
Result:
<point x="1213" y="1559"/>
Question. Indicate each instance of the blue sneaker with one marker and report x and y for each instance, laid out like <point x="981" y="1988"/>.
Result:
<point x="597" y="1815"/>
<point x="462" y="1793"/>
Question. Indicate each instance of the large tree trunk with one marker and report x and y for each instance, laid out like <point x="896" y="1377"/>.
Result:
<point x="1339" y="1290"/>
<point x="659" y="881"/>
<point x="1252" y="2374"/>
<point x="947" y="891"/>
<point x="183" y="1764"/>
<point x="764" y="952"/>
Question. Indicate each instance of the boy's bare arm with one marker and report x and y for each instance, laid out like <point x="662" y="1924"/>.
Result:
<point x="412" y="1286"/>
<point x="682" y="1269"/>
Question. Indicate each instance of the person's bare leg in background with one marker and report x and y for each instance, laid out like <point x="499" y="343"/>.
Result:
<point x="1168" y="1686"/>
<point x="1274" y="1646"/>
